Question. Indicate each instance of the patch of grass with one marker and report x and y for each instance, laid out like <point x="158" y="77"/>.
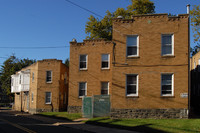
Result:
<point x="150" y="125"/>
<point x="65" y="115"/>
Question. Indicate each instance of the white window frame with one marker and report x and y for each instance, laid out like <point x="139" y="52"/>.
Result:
<point x="107" y="88"/>
<point x="79" y="89"/>
<point x="108" y="62"/>
<point x="172" y="38"/>
<point x="80" y="62"/>
<point x="32" y="97"/>
<point x="33" y="76"/>
<point x="172" y="84"/>
<point x="132" y="46"/>
<point x="47" y="75"/>
<point x="46" y="97"/>
<point x="137" y="84"/>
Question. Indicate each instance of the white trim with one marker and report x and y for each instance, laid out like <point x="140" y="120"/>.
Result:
<point x="33" y="76"/>
<point x="129" y="46"/>
<point x="108" y="61"/>
<point x="51" y="76"/>
<point x="46" y="97"/>
<point x="32" y="97"/>
<point x="172" y="85"/>
<point x="108" y="86"/>
<point x="172" y="37"/>
<point x="79" y="89"/>
<point x="137" y="84"/>
<point x="86" y="62"/>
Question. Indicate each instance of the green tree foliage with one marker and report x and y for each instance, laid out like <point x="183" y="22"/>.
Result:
<point x="97" y="29"/>
<point x="9" y="67"/>
<point x="67" y="62"/>
<point x="195" y="23"/>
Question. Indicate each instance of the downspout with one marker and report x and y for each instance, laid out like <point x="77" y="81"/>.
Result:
<point x="189" y="73"/>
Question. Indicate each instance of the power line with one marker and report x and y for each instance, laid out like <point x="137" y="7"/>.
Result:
<point x="84" y="8"/>
<point x="34" y="47"/>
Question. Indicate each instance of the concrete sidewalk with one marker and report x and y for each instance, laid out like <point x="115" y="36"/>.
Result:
<point x="77" y="124"/>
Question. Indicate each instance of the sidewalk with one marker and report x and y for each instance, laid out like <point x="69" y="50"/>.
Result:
<point x="77" y="124"/>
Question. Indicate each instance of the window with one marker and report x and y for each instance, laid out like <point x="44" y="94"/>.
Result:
<point x="104" y="88"/>
<point x="20" y="80"/>
<point x="167" y="44"/>
<point x="132" y="44"/>
<point x="132" y="85"/>
<point x="82" y="89"/>
<point x="32" y="76"/>
<point x="48" y="98"/>
<point x="83" y="62"/>
<point x="48" y="76"/>
<point x="32" y="97"/>
<point x="167" y="85"/>
<point x="105" y="61"/>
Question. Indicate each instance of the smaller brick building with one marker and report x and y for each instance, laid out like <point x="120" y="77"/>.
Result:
<point x="41" y="87"/>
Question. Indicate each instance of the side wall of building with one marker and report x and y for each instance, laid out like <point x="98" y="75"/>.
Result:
<point x="149" y="66"/>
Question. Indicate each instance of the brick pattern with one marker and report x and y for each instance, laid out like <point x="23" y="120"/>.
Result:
<point x="38" y="87"/>
<point x="94" y="75"/>
<point x="149" y="65"/>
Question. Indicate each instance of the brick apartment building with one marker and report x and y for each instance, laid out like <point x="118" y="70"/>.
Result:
<point x="145" y="68"/>
<point x="41" y="87"/>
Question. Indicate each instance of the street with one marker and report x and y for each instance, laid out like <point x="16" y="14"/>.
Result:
<point x="17" y="122"/>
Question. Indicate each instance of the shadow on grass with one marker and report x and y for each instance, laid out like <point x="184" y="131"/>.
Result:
<point x="142" y="128"/>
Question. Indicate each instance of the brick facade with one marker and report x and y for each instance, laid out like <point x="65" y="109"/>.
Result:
<point x="38" y="86"/>
<point x="149" y="65"/>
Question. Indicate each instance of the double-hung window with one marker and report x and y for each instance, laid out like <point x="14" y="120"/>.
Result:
<point x="167" y="86"/>
<point x="48" y="76"/>
<point x="167" y="44"/>
<point x="105" y="59"/>
<point x="82" y="89"/>
<point x="104" y="88"/>
<point x="132" y="46"/>
<point x="32" y="76"/>
<point x="132" y="85"/>
<point x="83" y="62"/>
<point x="48" y="98"/>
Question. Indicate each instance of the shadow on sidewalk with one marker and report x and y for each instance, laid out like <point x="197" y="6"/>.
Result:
<point x="142" y="128"/>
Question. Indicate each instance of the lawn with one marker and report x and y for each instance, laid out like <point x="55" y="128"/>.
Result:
<point x="150" y="125"/>
<point x="65" y="115"/>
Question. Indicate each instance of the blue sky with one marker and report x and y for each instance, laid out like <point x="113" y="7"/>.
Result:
<point x="52" y="23"/>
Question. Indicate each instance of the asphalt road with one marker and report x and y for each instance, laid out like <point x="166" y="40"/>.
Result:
<point x="12" y="122"/>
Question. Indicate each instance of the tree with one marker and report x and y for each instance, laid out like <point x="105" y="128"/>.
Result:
<point x="195" y="23"/>
<point x="67" y="62"/>
<point x="9" y="67"/>
<point x="97" y="29"/>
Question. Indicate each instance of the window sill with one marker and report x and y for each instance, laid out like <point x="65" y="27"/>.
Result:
<point x="80" y="97"/>
<point x="104" y="69"/>
<point x="47" y="103"/>
<point x="167" y="56"/>
<point x="49" y="82"/>
<point x="167" y="96"/>
<point x="132" y="57"/>
<point x="132" y="96"/>
<point x="83" y="69"/>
